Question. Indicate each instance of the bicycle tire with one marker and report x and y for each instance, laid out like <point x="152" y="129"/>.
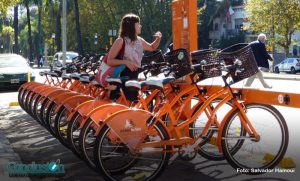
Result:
<point x="232" y="158"/>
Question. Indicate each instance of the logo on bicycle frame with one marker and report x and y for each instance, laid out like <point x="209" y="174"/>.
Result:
<point x="180" y="56"/>
<point x="130" y="126"/>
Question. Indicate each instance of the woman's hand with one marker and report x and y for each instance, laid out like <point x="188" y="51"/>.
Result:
<point x="154" y="45"/>
<point x="158" y="35"/>
<point x="131" y="66"/>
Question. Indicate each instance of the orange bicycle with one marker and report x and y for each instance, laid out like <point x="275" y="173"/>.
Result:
<point x="145" y="137"/>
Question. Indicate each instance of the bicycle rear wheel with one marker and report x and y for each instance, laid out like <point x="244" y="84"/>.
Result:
<point x="253" y="154"/>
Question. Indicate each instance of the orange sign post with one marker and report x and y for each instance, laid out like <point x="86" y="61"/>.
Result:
<point x="184" y="24"/>
<point x="184" y="28"/>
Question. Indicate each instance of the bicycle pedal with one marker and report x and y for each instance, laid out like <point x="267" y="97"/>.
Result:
<point x="173" y="158"/>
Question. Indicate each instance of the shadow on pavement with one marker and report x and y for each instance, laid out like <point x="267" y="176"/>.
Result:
<point x="9" y="89"/>
<point x="34" y="143"/>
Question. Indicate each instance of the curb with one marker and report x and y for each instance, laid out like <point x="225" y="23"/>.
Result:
<point x="281" y="76"/>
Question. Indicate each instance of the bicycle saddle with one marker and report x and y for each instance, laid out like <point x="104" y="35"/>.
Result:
<point x="66" y="76"/>
<point x="96" y="84"/>
<point x="135" y="84"/>
<point x="77" y="76"/>
<point x="42" y="73"/>
<point x="117" y="81"/>
<point x="159" y="82"/>
<point x="53" y="74"/>
<point x="84" y="79"/>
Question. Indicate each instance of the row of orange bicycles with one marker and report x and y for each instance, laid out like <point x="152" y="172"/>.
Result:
<point x="173" y="117"/>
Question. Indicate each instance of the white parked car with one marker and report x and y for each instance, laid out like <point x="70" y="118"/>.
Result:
<point x="58" y="58"/>
<point x="291" y="65"/>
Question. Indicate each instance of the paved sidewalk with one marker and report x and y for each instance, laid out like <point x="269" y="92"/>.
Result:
<point x="7" y="155"/>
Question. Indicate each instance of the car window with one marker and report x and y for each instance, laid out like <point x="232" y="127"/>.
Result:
<point x="68" y="56"/>
<point x="291" y="61"/>
<point x="12" y="61"/>
<point x="71" y="55"/>
<point x="283" y="62"/>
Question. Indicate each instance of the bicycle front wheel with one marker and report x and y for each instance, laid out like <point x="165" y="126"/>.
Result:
<point x="116" y="162"/>
<point x="252" y="154"/>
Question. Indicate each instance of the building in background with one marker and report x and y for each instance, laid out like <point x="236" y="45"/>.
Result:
<point x="231" y="25"/>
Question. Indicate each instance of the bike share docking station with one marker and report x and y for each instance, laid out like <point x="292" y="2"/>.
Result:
<point x="184" y="27"/>
<point x="172" y="117"/>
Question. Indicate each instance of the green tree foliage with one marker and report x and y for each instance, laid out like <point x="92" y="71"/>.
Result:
<point x="7" y="36"/>
<point x="98" y="17"/>
<point x="95" y="17"/>
<point x="4" y="4"/>
<point x="205" y="19"/>
<point x="278" y="18"/>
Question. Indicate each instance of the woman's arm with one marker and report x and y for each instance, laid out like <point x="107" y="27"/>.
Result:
<point x="113" y="53"/>
<point x="154" y="45"/>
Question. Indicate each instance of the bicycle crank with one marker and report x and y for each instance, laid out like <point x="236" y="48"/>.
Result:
<point x="187" y="152"/>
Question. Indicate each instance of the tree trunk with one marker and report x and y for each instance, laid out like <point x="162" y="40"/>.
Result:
<point x="79" y="42"/>
<point x="40" y="38"/>
<point x="29" y="33"/>
<point x="53" y="28"/>
<point x="8" y="42"/>
<point x="16" y="29"/>
<point x="58" y="29"/>
<point x="286" y="50"/>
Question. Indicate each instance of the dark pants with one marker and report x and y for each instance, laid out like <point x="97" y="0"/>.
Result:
<point x="130" y="94"/>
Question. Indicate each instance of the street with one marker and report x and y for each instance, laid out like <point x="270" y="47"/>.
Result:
<point x="33" y="143"/>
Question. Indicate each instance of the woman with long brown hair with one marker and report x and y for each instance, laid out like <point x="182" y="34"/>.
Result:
<point x="129" y="32"/>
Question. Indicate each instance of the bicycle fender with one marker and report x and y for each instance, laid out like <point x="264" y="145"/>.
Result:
<point x="130" y="126"/>
<point x="99" y="114"/>
<point x="71" y="102"/>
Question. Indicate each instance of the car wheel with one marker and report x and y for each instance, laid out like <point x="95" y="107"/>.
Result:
<point x="293" y="71"/>
<point x="277" y="70"/>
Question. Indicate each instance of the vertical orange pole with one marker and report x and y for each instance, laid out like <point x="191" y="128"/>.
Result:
<point x="184" y="28"/>
<point x="184" y="24"/>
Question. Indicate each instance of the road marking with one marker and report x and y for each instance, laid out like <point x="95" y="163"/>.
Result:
<point x="14" y="104"/>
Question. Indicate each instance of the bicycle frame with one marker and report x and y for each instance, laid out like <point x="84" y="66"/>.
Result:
<point x="175" y="130"/>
